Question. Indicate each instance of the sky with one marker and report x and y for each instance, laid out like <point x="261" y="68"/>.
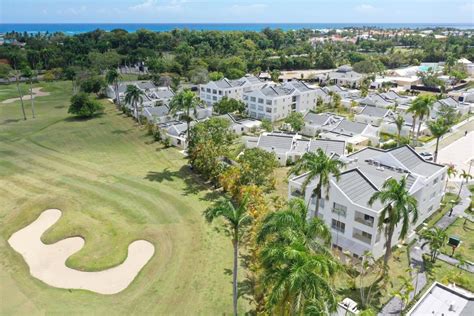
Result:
<point x="232" y="11"/>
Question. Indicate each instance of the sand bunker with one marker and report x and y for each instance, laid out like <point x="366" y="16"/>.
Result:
<point x="36" y="93"/>
<point x="47" y="262"/>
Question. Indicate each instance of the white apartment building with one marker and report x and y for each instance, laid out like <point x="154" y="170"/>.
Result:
<point x="213" y="91"/>
<point x="345" y="209"/>
<point x="277" y="102"/>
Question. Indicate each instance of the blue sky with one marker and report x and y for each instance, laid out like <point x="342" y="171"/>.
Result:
<point x="254" y="11"/>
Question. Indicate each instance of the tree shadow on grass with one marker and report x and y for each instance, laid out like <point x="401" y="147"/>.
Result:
<point x="8" y="121"/>
<point x="82" y="118"/>
<point x="193" y="184"/>
<point x="121" y="131"/>
<point x="59" y="106"/>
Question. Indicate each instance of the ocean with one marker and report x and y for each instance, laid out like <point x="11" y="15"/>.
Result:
<point x="75" y="28"/>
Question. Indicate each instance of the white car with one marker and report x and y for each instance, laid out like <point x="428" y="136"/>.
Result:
<point x="427" y="156"/>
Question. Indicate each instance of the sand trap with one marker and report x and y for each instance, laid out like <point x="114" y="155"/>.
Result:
<point x="47" y="262"/>
<point x="36" y="93"/>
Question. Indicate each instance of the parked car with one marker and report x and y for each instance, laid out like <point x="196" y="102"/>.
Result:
<point x="427" y="156"/>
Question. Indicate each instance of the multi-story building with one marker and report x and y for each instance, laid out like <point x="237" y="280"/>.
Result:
<point x="213" y="91"/>
<point x="354" y="223"/>
<point x="277" y="102"/>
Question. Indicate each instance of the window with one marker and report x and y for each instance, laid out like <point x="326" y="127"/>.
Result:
<point x="260" y="100"/>
<point x="252" y="99"/>
<point x="269" y="102"/>
<point x="208" y="90"/>
<point x="220" y="92"/>
<point x="339" y="209"/>
<point x="435" y="181"/>
<point x="214" y="98"/>
<point x="214" y="91"/>
<point x="246" y="97"/>
<point x="339" y="226"/>
<point x="260" y="108"/>
<point x="202" y="89"/>
<point x="268" y="110"/>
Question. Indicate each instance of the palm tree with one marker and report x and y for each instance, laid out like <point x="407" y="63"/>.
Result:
<point x="451" y="171"/>
<point x="317" y="165"/>
<point x="465" y="177"/>
<point x="235" y="221"/>
<point x="297" y="265"/>
<point x="28" y="73"/>
<point x="397" y="206"/>
<point x="112" y="77"/>
<point x="399" y="121"/>
<point x="185" y="101"/>
<point x="436" y="238"/>
<point x="134" y="96"/>
<point x="438" y="128"/>
<point x="421" y="108"/>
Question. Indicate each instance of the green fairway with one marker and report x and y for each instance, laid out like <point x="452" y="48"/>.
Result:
<point x="114" y="186"/>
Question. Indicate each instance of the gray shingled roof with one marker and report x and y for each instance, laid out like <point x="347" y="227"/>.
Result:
<point x="357" y="187"/>
<point x="414" y="162"/>
<point x="226" y="83"/>
<point x="276" y="91"/>
<point x="298" y="85"/>
<point x="146" y="85"/>
<point x="158" y="111"/>
<point x="316" y="119"/>
<point x="328" y="146"/>
<point x="349" y="128"/>
<point x="374" y="111"/>
<point x="375" y="100"/>
<point x="274" y="142"/>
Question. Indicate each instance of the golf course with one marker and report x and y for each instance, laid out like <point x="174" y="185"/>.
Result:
<point x="114" y="186"/>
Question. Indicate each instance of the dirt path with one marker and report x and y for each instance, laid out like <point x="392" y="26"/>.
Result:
<point x="36" y="93"/>
<point x="47" y="262"/>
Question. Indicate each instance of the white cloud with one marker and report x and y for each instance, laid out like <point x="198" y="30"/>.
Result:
<point x="365" y="8"/>
<point x="155" y="5"/>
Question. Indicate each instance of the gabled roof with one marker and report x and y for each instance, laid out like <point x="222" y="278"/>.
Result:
<point x="298" y="85"/>
<point x="349" y="128"/>
<point x="276" y="91"/>
<point x="375" y="111"/>
<point x="312" y="118"/>
<point x="357" y="187"/>
<point x="328" y="146"/>
<point x="275" y="142"/>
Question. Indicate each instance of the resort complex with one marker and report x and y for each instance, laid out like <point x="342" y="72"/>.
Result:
<point x="236" y="169"/>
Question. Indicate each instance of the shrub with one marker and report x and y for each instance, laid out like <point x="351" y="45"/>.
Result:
<point x="83" y="106"/>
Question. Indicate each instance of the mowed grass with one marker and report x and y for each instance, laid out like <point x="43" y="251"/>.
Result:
<point x="113" y="186"/>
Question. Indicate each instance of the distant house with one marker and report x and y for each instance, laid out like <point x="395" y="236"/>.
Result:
<point x="241" y="125"/>
<point x="374" y="115"/>
<point x="376" y="100"/>
<point x="157" y="114"/>
<point x="460" y="107"/>
<point x="315" y="123"/>
<point x="213" y="91"/>
<point x="463" y="95"/>
<point x="290" y="147"/>
<point x="343" y="76"/>
<point x="354" y="133"/>
<point x="176" y="132"/>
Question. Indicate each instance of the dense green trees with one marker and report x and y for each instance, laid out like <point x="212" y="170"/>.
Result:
<point x="228" y="105"/>
<point x="295" y="120"/>
<point x="185" y="103"/>
<point x="297" y="264"/>
<point x="82" y="105"/>
<point x="438" y="128"/>
<point x="134" y="97"/>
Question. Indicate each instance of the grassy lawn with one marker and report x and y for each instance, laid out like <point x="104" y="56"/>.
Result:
<point x="113" y="187"/>
<point x="446" y="273"/>
<point x="11" y="91"/>
<point x="466" y="234"/>
<point x="383" y="290"/>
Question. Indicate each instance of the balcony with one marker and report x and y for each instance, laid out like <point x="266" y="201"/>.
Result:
<point x="362" y="238"/>
<point x="340" y="211"/>
<point x="362" y="220"/>
<point x="296" y="193"/>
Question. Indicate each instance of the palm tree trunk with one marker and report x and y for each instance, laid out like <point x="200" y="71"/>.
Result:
<point x="418" y="130"/>
<point x="413" y="129"/>
<point x="460" y="189"/>
<point x="318" y="198"/>
<point x="234" y="273"/>
<point x="21" y="97"/>
<point x="117" y="96"/>
<point x="32" y="100"/>
<point x="388" y="251"/>
<point x="398" y="137"/>
<point x="436" y="150"/>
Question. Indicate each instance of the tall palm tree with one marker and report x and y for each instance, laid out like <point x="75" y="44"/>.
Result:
<point x="318" y="165"/>
<point x="134" y="96"/>
<point x="399" y="121"/>
<point x="398" y="204"/>
<point x="28" y="73"/>
<point x="112" y="77"/>
<point x="465" y="177"/>
<point x="421" y="108"/>
<point x="438" y="128"/>
<point x="297" y="265"/>
<point x="185" y="101"/>
<point x="236" y="219"/>
<point x="436" y="238"/>
<point x="450" y="173"/>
